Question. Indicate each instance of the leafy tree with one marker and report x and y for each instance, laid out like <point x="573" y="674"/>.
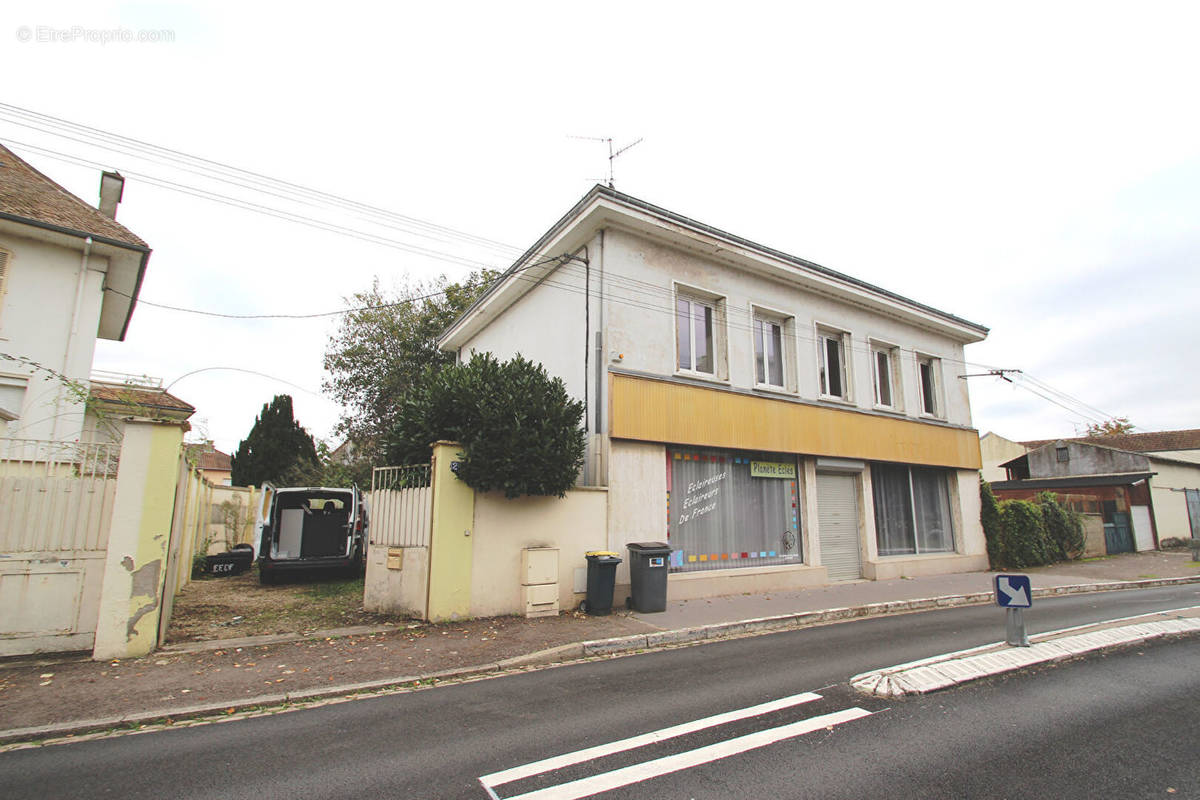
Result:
<point x="276" y="449"/>
<point x="519" y="430"/>
<point x="1111" y="427"/>
<point x="382" y="348"/>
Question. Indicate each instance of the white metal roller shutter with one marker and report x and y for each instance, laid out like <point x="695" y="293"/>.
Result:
<point x="837" y="516"/>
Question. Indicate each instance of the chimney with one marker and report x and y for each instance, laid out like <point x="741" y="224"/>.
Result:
<point x="112" y="186"/>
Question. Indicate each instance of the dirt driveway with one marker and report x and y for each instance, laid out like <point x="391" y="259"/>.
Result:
<point x="237" y="606"/>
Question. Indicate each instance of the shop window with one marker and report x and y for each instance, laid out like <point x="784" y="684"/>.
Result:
<point x="732" y="509"/>
<point x="912" y="510"/>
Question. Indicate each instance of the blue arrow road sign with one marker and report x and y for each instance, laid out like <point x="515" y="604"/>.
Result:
<point x="1013" y="591"/>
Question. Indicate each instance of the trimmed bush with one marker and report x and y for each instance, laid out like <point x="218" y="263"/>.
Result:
<point x="519" y="430"/>
<point x="1064" y="528"/>
<point x="1024" y="543"/>
<point x="993" y="528"/>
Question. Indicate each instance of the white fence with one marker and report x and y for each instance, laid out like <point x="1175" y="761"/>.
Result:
<point x="56" y="496"/>
<point x="401" y="506"/>
<point x="56" y="503"/>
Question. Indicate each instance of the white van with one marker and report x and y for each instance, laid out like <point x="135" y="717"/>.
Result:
<point x="308" y="528"/>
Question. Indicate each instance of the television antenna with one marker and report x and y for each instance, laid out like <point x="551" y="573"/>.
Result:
<point x="612" y="154"/>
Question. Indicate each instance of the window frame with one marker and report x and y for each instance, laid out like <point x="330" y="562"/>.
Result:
<point x="934" y="394"/>
<point x="830" y="333"/>
<point x="891" y="352"/>
<point x="716" y="304"/>
<point x="951" y="520"/>
<point x="760" y="315"/>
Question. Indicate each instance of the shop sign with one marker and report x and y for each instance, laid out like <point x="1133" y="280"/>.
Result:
<point x="772" y="469"/>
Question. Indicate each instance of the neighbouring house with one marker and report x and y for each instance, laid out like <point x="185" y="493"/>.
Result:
<point x="217" y="467"/>
<point x="1135" y="489"/>
<point x="69" y="275"/>
<point x="777" y="423"/>
<point x="88" y="471"/>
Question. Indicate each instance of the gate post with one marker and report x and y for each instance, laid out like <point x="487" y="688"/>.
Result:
<point x="138" y="541"/>
<point x="450" y="539"/>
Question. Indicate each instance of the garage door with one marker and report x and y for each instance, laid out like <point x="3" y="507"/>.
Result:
<point x="837" y="516"/>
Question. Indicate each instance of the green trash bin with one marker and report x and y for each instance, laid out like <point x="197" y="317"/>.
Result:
<point x="601" y="577"/>
<point x="648" y="567"/>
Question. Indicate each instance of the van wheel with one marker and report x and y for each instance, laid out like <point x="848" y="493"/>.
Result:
<point x="266" y="578"/>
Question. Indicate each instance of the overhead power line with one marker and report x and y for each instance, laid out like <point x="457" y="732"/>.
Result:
<point x="248" y="179"/>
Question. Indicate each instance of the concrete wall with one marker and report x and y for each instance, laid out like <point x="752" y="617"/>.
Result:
<point x="574" y="524"/>
<point x="139" y="538"/>
<point x="637" y="497"/>
<point x="48" y="278"/>
<point x="397" y="580"/>
<point x="1169" y="502"/>
<point x="995" y="450"/>
<point x="1083" y="459"/>
<point x="640" y="284"/>
<point x="545" y="326"/>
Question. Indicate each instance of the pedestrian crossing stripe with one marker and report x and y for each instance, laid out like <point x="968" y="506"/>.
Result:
<point x="606" y="781"/>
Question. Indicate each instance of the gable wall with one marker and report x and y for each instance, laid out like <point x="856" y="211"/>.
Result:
<point x="35" y="322"/>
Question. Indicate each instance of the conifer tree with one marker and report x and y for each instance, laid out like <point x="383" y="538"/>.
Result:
<point x="276" y="448"/>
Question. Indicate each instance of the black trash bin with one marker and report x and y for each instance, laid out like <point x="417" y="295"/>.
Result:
<point x="601" y="576"/>
<point x="648" y="576"/>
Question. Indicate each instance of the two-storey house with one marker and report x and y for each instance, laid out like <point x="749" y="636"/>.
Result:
<point x="777" y="423"/>
<point x="69" y="274"/>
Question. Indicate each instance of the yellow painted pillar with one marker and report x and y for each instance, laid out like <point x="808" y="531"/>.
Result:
<point x="450" y="540"/>
<point x="138" y="540"/>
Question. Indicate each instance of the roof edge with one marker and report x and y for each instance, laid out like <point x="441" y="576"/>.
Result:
<point x="666" y="215"/>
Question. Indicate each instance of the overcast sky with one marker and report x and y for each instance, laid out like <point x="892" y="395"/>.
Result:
<point x="1033" y="167"/>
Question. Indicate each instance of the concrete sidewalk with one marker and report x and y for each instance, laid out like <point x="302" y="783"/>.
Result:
<point x="52" y="698"/>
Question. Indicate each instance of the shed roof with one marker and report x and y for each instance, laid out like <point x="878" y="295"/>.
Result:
<point x="1151" y="442"/>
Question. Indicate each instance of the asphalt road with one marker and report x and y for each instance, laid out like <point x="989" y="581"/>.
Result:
<point x="1119" y="725"/>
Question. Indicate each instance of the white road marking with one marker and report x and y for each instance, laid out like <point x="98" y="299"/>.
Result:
<point x="599" y="751"/>
<point x="586" y="787"/>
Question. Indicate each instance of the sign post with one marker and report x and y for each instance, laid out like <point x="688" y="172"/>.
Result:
<point x="1013" y="592"/>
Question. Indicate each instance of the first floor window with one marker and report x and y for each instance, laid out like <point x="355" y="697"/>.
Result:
<point x="884" y="387"/>
<point x="912" y="509"/>
<point x="731" y="509"/>
<point x="694" y="335"/>
<point x="833" y="369"/>
<point x="768" y="352"/>
<point x="929" y="385"/>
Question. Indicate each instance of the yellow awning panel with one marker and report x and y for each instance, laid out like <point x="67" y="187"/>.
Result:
<point x="663" y="411"/>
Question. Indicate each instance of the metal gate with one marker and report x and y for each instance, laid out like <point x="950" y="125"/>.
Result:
<point x="401" y="506"/>
<point x="837" y="517"/>
<point x="56" y="501"/>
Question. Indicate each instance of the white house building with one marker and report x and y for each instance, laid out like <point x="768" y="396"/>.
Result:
<point x="69" y="274"/>
<point x="777" y="423"/>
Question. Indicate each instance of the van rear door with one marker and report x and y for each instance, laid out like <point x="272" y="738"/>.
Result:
<point x="262" y="513"/>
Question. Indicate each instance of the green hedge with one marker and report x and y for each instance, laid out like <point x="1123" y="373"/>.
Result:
<point x="1023" y="534"/>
